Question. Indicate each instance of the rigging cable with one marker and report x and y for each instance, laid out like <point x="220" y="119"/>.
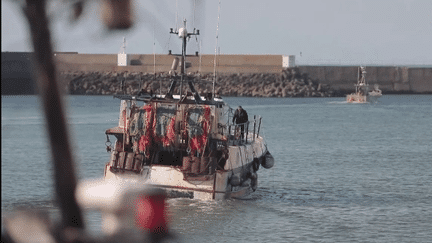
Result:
<point x="196" y="38"/>
<point x="176" y="15"/>
<point x="200" y="57"/>
<point x="193" y="21"/>
<point x="154" y="58"/>
<point x="216" y="47"/>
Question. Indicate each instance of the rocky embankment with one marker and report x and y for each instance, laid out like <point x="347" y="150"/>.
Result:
<point x="289" y="83"/>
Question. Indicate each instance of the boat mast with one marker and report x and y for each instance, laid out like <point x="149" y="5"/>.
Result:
<point x="361" y="80"/>
<point x="358" y="79"/>
<point x="363" y="74"/>
<point x="183" y="34"/>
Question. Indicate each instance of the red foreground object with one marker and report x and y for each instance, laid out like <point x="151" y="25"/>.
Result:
<point x="151" y="214"/>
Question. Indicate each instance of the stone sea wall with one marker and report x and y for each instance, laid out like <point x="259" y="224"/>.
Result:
<point x="288" y="83"/>
<point x="241" y="72"/>
<point x="391" y="79"/>
<point x="238" y="75"/>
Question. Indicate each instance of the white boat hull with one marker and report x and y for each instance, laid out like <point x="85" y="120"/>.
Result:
<point x="220" y="185"/>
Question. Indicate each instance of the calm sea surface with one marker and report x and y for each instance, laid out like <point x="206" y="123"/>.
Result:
<point x="343" y="172"/>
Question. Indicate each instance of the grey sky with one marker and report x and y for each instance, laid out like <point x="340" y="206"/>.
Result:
<point x="350" y="32"/>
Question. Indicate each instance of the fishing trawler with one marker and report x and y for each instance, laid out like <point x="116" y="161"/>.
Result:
<point x="186" y="144"/>
<point x="362" y="93"/>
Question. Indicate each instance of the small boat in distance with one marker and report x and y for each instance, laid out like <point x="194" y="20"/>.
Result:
<point x="376" y="92"/>
<point x="362" y="93"/>
<point x="186" y="144"/>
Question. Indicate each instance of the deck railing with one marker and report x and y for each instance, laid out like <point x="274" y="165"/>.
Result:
<point x="251" y="130"/>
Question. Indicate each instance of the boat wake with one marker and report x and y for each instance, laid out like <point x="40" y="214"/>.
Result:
<point x="346" y="102"/>
<point x="338" y="102"/>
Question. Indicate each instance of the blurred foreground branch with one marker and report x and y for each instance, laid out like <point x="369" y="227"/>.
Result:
<point x="138" y="203"/>
<point x="64" y="171"/>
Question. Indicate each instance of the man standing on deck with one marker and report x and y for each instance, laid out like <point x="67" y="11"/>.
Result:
<point x="240" y="117"/>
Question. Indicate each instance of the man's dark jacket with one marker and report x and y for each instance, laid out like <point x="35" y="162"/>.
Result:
<point x="240" y="116"/>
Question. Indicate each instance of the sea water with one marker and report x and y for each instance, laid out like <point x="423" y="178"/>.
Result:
<point x="343" y="172"/>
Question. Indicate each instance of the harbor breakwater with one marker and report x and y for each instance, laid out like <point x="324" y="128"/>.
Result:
<point x="238" y="75"/>
<point x="289" y="83"/>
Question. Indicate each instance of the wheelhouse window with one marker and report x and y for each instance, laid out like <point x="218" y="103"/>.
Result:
<point x="163" y="119"/>
<point x="195" y="119"/>
<point x="138" y="122"/>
